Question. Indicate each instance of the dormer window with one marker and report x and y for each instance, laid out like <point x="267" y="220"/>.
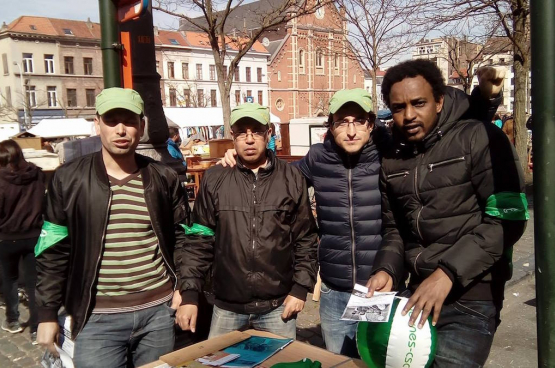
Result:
<point x="33" y="27"/>
<point x="68" y="31"/>
<point x="173" y="41"/>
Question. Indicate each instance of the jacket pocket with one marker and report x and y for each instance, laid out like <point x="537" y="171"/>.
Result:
<point x="398" y="174"/>
<point x="445" y="162"/>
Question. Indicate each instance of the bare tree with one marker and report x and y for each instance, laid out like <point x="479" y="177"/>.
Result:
<point x="381" y="30"/>
<point x="217" y="21"/>
<point x="513" y="19"/>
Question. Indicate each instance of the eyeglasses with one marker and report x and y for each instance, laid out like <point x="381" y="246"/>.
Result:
<point x="241" y="136"/>
<point x="343" y="124"/>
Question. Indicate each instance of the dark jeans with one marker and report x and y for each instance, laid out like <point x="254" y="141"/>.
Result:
<point x="11" y="251"/>
<point x="108" y="340"/>
<point x="465" y="333"/>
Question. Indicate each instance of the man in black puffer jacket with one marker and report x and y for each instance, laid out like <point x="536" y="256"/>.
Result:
<point x="453" y="206"/>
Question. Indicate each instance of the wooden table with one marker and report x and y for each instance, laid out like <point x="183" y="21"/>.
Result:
<point x="198" y="173"/>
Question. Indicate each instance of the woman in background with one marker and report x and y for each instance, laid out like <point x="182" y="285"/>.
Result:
<point x="22" y="191"/>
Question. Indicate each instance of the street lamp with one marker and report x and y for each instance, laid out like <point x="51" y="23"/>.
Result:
<point x="23" y="94"/>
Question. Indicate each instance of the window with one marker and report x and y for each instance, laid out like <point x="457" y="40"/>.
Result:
<point x="200" y="98"/>
<point x="158" y="66"/>
<point x="171" y="71"/>
<point x="52" y="96"/>
<point x="213" y="98"/>
<point x="33" y="27"/>
<point x="249" y="93"/>
<point x="68" y="64"/>
<point x="71" y="97"/>
<point x="88" y="66"/>
<point x="336" y="63"/>
<point x="187" y="96"/>
<point x="421" y="50"/>
<point x="237" y="97"/>
<point x="248" y="74"/>
<point x="199" y="71"/>
<point x="49" y="64"/>
<point x="173" y="97"/>
<point x="355" y="78"/>
<point x="173" y="41"/>
<point x="185" y="70"/>
<point x="8" y="96"/>
<point x="236" y="77"/>
<point x="27" y="63"/>
<point x="301" y="61"/>
<point x="259" y="75"/>
<point x="279" y="76"/>
<point x="212" y="72"/>
<point x="260" y="98"/>
<point x="319" y="62"/>
<point x="31" y="96"/>
<point x="5" y="64"/>
<point x="502" y="60"/>
<point x="89" y="93"/>
<point x="67" y="31"/>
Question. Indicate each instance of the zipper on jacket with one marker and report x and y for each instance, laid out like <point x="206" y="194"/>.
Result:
<point x="99" y="258"/>
<point x="404" y="173"/>
<point x="253" y="216"/>
<point x="445" y="162"/>
<point x="414" y="264"/>
<point x="418" y="197"/>
<point x="351" y="216"/>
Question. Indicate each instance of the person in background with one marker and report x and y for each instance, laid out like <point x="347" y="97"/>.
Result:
<point x="509" y="129"/>
<point x="497" y="121"/>
<point x="22" y="189"/>
<point x="174" y="141"/>
<point x="253" y="226"/>
<point x="272" y="142"/>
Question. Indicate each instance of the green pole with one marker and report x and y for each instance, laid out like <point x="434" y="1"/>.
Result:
<point x="543" y="108"/>
<point x="110" y="44"/>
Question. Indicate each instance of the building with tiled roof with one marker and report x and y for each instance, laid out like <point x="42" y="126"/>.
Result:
<point x="50" y="68"/>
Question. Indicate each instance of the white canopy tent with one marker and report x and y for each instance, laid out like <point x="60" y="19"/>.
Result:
<point x="56" y="128"/>
<point x="187" y="117"/>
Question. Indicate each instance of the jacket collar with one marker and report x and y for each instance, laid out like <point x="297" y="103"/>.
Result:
<point x="263" y="171"/>
<point x="102" y="174"/>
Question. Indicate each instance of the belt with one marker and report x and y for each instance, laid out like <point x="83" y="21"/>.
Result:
<point x="255" y="307"/>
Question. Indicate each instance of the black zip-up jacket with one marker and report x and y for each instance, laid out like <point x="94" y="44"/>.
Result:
<point x="434" y="199"/>
<point x="261" y="238"/>
<point x="78" y="199"/>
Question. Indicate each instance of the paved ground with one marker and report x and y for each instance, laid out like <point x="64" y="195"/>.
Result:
<point x="515" y="343"/>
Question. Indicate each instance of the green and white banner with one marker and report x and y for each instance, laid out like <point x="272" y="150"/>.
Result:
<point x="50" y="235"/>
<point x="394" y="344"/>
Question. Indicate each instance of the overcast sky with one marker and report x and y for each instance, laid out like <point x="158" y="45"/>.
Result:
<point x="65" y="9"/>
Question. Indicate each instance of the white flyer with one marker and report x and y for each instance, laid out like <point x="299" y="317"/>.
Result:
<point x="374" y="309"/>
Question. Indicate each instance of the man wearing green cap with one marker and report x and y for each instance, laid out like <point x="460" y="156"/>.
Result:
<point x="105" y="253"/>
<point x="254" y="227"/>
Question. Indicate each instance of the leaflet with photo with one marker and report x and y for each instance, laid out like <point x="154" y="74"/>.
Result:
<point x="374" y="309"/>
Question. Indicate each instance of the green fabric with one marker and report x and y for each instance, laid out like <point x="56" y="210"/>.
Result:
<point x="250" y="110"/>
<point x="508" y="206"/>
<point x="357" y="95"/>
<point x="49" y="235"/>
<point x="305" y="363"/>
<point x="372" y="340"/>
<point x="119" y="98"/>
<point x="197" y="229"/>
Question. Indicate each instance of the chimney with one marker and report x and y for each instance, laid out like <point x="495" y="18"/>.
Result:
<point x="155" y="31"/>
<point x="89" y="23"/>
<point x="4" y="27"/>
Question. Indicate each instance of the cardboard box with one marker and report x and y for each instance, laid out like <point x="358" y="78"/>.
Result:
<point x="292" y="353"/>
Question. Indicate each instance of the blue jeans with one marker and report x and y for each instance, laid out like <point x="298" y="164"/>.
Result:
<point x="465" y="333"/>
<point x="225" y="321"/>
<point x="107" y="340"/>
<point x="11" y="251"/>
<point x="339" y="336"/>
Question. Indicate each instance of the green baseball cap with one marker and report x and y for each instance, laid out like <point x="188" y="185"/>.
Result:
<point x="357" y="95"/>
<point x="250" y="110"/>
<point x="119" y="98"/>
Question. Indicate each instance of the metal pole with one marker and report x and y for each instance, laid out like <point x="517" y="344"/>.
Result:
<point x="23" y="95"/>
<point x="543" y="107"/>
<point x="110" y="44"/>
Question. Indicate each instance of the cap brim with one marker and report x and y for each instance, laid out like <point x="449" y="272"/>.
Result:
<point x="249" y="115"/>
<point x="111" y="105"/>
<point x="367" y="109"/>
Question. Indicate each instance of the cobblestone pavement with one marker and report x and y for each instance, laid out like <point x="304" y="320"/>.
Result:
<point x="16" y="349"/>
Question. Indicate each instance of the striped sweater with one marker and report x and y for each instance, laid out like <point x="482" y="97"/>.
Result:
<point x="132" y="273"/>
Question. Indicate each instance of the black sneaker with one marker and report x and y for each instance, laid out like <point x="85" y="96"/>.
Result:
<point x="12" y="327"/>
<point x="34" y="338"/>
